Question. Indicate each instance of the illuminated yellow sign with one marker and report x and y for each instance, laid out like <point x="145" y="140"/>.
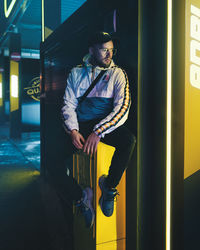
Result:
<point x="192" y="89"/>
<point x="195" y="46"/>
<point x="14" y="86"/>
<point x="33" y="89"/>
<point x="9" y="9"/>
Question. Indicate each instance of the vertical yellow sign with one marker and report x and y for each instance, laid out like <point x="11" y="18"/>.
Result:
<point x="192" y="89"/>
<point x="14" y="86"/>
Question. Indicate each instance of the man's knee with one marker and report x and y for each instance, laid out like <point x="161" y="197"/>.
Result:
<point x="128" y="141"/>
<point x="131" y="141"/>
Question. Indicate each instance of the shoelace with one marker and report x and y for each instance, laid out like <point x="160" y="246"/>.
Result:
<point x="116" y="196"/>
<point x="111" y="197"/>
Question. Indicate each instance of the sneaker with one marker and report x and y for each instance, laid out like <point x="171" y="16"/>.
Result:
<point x="106" y="200"/>
<point x="86" y="208"/>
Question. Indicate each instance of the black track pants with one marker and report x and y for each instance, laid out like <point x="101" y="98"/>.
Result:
<point x="123" y="141"/>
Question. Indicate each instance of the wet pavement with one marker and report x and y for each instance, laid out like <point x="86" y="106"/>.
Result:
<point x="32" y="217"/>
<point x="21" y="151"/>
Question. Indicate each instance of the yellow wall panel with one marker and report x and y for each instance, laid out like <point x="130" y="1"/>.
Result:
<point x="192" y="89"/>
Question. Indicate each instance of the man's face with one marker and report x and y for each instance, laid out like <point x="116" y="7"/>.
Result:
<point x="102" y="54"/>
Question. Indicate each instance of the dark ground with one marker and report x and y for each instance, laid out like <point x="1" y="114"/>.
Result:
<point x="32" y="217"/>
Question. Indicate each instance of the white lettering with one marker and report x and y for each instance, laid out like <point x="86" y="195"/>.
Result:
<point x="195" y="11"/>
<point x="195" y="28"/>
<point x="195" y="76"/>
<point x="194" y="46"/>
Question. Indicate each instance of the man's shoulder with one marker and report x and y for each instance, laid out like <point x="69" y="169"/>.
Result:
<point x="77" y="69"/>
<point x="118" y="70"/>
<point x="79" y="66"/>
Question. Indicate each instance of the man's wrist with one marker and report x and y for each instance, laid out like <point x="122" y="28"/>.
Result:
<point x="97" y="134"/>
<point x="73" y="131"/>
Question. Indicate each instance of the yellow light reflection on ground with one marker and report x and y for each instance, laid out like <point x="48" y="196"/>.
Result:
<point x="13" y="180"/>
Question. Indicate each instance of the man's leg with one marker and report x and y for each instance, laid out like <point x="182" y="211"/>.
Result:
<point x="67" y="187"/>
<point x="60" y="162"/>
<point x="124" y="142"/>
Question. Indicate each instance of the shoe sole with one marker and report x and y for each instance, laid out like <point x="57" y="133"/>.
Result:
<point x="101" y="198"/>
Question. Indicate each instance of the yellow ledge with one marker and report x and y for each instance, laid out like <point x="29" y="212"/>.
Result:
<point x="108" y="233"/>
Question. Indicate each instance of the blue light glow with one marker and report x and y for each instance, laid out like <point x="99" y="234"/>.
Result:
<point x="68" y="7"/>
<point x="31" y="113"/>
<point x="7" y="107"/>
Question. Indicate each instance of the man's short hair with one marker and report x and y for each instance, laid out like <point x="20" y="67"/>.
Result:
<point x="99" y="38"/>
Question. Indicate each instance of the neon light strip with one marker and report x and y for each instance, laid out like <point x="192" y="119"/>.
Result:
<point x="42" y="20"/>
<point x="7" y="11"/>
<point x="168" y="146"/>
<point x="1" y="92"/>
<point x="14" y="86"/>
<point x="1" y="89"/>
<point x="115" y="20"/>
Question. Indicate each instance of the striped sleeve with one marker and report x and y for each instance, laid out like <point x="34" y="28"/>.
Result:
<point x="68" y="111"/>
<point x="122" y="102"/>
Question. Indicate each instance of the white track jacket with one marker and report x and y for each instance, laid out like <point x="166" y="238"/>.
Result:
<point x="109" y="101"/>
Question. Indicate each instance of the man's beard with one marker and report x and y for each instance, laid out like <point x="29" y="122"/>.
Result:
<point x="96" y="62"/>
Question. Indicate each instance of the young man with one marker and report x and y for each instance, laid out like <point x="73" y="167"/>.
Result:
<point x="99" y="117"/>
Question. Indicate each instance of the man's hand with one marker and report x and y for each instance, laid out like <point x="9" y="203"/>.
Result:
<point x="91" y="143"/>
<point x="77" y="139"/>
